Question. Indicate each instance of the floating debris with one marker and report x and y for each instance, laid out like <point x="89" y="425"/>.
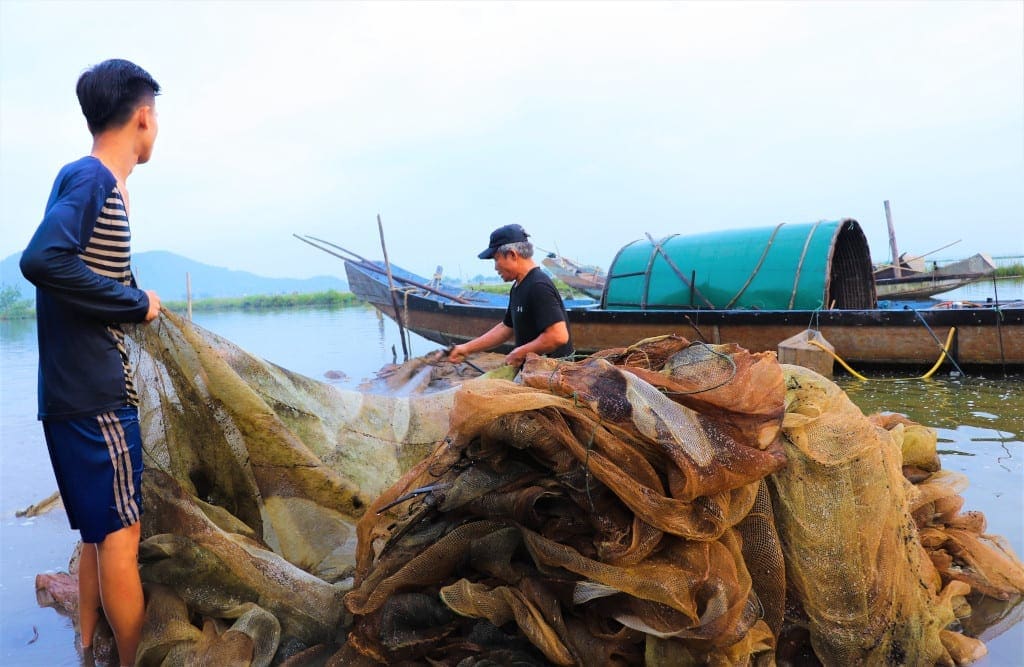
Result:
<point x="48" y="504"/>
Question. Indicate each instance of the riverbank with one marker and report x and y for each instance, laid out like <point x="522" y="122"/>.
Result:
<point x="13" y="307"/>
<point x="328" y="299"/>
<point x="1009" y="271"/>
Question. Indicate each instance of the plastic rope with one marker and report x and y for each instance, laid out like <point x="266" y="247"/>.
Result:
<point x="815" y="321"/>
<point x="700" y="333"/>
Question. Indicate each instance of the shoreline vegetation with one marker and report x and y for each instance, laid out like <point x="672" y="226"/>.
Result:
<point x="1009" y="271"/>
<point x="15" y="306"/>
<point x="328" y="299"/>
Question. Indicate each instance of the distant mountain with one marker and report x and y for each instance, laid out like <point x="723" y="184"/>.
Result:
<point x="165" y="272"/>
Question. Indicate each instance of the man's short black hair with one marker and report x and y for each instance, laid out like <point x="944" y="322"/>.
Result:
<point x="111" y="91"/>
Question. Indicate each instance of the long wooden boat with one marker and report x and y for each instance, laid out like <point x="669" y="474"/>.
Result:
<point x="583" y="278"/>
<point x="920" y="284"/>
<point x="985" y="336"/>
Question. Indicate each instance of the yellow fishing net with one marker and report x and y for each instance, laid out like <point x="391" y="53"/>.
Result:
<point x="663" y="504"/>
<point x="254" y="479"/>
<point x="671" y="504"/>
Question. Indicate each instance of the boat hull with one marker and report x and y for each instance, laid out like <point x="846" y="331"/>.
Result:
<point x="984" y="336"/>
<point x="923" y="284"/>
<point x="588" y="281"/>
<point x="921" y="287"/>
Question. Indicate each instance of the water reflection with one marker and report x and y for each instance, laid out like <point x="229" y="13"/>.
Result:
<point x="981" y="408"/>
<point x="12" y="331"/>
<point x="980" y="426"/>
<point x="1005" y="289"/>
<point x="990" y="618"/>
<point x="357" y="342"/>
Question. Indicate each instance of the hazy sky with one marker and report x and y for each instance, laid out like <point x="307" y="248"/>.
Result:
<point x="589" y="123"/>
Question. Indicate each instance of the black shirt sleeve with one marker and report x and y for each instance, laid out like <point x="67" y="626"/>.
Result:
<point x="546" y="305"/>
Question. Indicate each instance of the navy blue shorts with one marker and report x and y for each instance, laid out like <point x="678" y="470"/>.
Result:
<point x="98" y="465"/>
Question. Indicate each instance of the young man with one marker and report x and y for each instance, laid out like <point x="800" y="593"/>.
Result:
<point x="80" y="262"/>
<point x="535" y="315"/>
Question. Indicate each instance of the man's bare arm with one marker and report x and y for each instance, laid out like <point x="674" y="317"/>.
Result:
<point x="549" y="340"/>
<point x="497" y="335"/>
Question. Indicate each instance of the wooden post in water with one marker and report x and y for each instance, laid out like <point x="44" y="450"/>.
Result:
<point x="391" y="288"/>
<point x="897" y="271"/>
<point x="999" y="323"/>
<point x="188" y="296"/>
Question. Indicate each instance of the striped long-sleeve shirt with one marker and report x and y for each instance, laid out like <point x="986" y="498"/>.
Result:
<point x="79" y="260"/>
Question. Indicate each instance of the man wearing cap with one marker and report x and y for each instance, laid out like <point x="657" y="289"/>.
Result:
<point x="535" y="315"/>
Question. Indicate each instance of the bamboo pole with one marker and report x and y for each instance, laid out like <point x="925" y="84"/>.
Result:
<point x="916" y="257"/>
<point x="367" y="264"/>
<point x="678" y="272"/>
<point x="897" y="270"/>
<point x="391" y="288"/>
<point x="999" y="323"/>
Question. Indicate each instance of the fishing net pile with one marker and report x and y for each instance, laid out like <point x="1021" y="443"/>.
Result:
<point x="663" y="504"/>
<point x="670" y="504"/>
<point x="255" y="477"/>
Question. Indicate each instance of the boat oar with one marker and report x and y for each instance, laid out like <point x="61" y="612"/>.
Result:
<point x="333" y="245"/>
<point x="370" y="266"/>
<point x="391" y="288"/>
<point x="999" y="323"/>
<point x="883" y="267"/>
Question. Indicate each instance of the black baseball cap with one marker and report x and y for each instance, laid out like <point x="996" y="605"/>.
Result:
<point x="501" y="236"/>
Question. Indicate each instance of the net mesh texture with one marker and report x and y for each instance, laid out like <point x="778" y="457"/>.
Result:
<point x="662" y="504"/>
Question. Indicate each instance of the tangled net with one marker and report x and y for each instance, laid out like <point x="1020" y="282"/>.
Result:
<point x="663" y="504"/>
<point x="671" y="504"/>
<point x="255" y="477"/>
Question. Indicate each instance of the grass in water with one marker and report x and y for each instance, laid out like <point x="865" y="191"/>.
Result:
<point x="1010" y="271"/>
<point x="328" y="299"/>
<point x="503" y="288"/>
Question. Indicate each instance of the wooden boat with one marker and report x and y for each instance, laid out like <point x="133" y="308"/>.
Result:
<point x="755" y="288"/>
<point x="908" y="277"/>
<point x="583" y="278"/>
<point x="985" y="336"/>
<point x="917" y="283"/>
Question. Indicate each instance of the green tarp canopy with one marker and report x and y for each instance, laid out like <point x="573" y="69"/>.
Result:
<point x="787" y="267"/>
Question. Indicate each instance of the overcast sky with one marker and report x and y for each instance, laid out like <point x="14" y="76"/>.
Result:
<point x="589" y="123"/>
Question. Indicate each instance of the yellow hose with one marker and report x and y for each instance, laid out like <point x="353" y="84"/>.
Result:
<point x="942" y="357"/>
<point x="839" y="359"/>
<point x="931" y="371"/>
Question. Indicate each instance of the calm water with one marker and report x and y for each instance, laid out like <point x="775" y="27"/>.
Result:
<point x="1005" y="289"/>
<point x="980" y="423"/>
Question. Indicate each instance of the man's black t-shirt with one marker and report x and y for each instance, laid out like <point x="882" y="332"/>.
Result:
<point x="533" y="306"/>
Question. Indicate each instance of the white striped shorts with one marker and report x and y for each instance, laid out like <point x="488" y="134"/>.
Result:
<point x="98" y="464"/>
